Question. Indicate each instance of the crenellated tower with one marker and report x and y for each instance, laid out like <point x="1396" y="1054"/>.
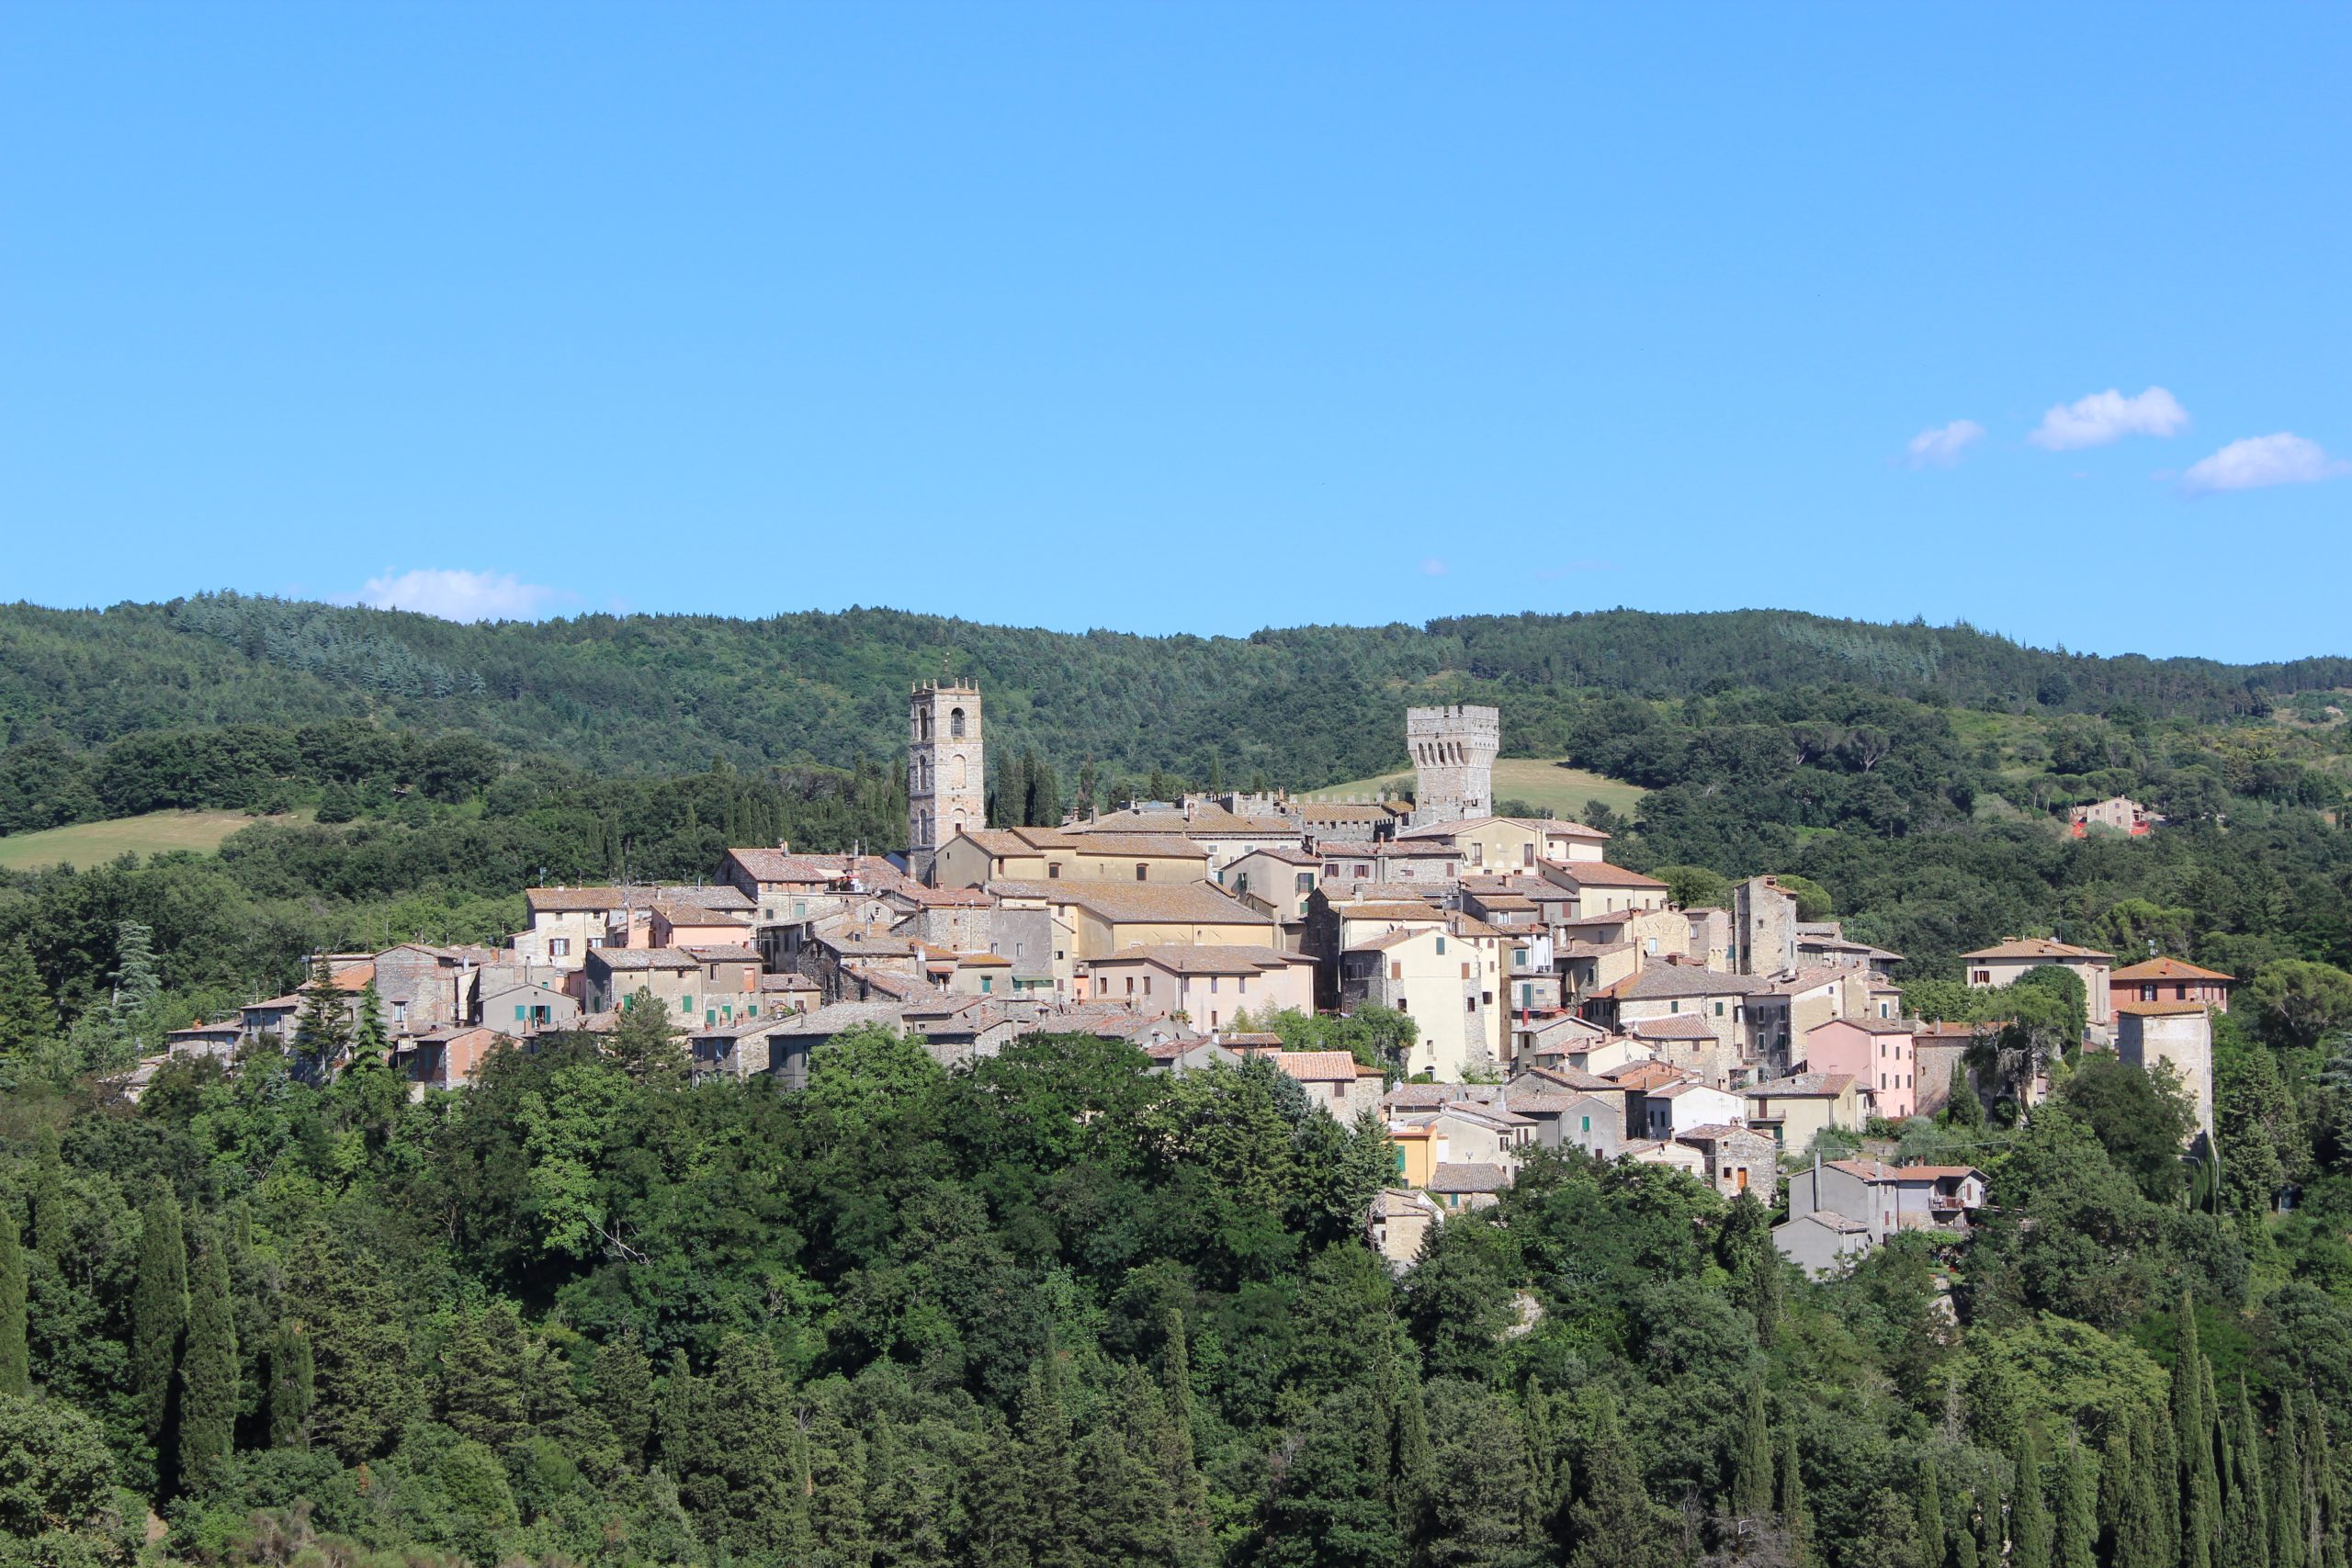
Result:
<point x="1453" y="752"/>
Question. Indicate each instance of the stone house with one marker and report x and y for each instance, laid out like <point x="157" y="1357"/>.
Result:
<point x="1739" y="1159"/>
<point x="1601" y="887"/>
<point x="1399" y="1221"/>
<point x="1472" y="1184"/>
<point x="1668" y="1110"/>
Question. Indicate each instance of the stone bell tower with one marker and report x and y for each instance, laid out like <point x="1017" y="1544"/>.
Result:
<point x="1453" y="752"/>
<point x="947" y="785"/>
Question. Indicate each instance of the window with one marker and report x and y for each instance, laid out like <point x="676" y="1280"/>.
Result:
<point x="521" y="1012"/>
<point x="1527" y="854"/>
<point x="1396" y="969"/>
<point x="1131" y="985"/>
<point x="1440" y="947"/>
<point x="1469" y="1004"/>
<point x="956" y="724"/>
<point x="559" y="947"/>
<point x="800" y="908"/>
<point x="1674" y="1007"/>
<point x="1053" y="871"/>
<point x="685" y="1004"/>
<point x="1143" y="872"/>
<point x="709" y="1017"/>
<point x="1719" y="1009"/>
<point x="1020" y="949"/>
<point x="1404" y="1004"/>
<point x="1588" y="1123"/>
<point x="1146" y="985"/>
<point x="1477" y="854"/>
<point x="2147" y="993"/>
<point x="1980" y="977"/>
<point x="1305" y="882"/>
<point x="987" y="984"/>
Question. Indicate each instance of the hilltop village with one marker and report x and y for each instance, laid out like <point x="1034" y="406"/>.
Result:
<point x="1504" y="985"/>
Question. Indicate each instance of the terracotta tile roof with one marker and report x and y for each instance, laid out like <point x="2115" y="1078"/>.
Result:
<point x="2036" y="947"/>
<point x="1287" y="853"/>
<point x="1642" y="1076"/>
<point x="1598" y="874"/>
<point x="736" y="954"/>
<point x="2167" y="969"/>
<point x="1802" y="1085"/>
<point x="1468" y="1177"/>
<point x="618" y="959"/>
<point x="1395" y="910"/>
<point x="697" y="915"/>
<point x="1868" y="1025"/>
<point x="2162" y="1009"/>
<point x="1164" y="846"/>
<point x="1312" y="1067"/>
<point x="1570" y="1077"/>
<point x="1879" y="1170"/>
<point x="788" y="982"/>
<point x="1677" y="1026"/>
<point x="777" y="865"/>
<point x="1192" y="903"/>
<point x="1716" y="1132"/>
<point x="1658" y="981"/>
<point x="1209" y="959"/>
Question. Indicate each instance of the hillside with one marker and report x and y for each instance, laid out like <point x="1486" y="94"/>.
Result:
<point x="1307" y="707"/>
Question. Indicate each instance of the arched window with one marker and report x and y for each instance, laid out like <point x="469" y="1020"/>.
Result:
<point x="956" y="725"/>
<point x="959" y="774"/>
<point x="922" y="724"/>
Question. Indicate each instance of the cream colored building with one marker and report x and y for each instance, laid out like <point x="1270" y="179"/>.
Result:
<point x="1601" y="887"/>
<point x="977" y="857"/>
<point x="1446" y="975"/>
<point x="1101" y="920"/>
<point x="2004" y="964"/>
<point x="1208" y="984"/>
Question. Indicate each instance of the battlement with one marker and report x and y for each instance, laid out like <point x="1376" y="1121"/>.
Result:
<point x="1453" y="748"/>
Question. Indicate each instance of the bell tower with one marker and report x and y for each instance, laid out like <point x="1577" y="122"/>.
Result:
<point x="947" y="785"/>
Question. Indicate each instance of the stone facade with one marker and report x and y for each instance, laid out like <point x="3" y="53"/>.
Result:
<point x="946" y="777"/>
<point x="1453" y="752"/>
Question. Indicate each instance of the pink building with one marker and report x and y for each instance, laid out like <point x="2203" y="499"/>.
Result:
<point x="1878" y="1052"/>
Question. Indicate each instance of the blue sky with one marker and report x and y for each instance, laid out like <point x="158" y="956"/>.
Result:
<point x="1189" y="318"/>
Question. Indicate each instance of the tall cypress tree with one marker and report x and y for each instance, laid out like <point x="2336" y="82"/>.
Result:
<point x="1929" y="1502"/>
<point x="2029" y="1514"/>
<point x="52" y="1225"/>
<point x="28" y="1015"/>
<point x="622" y="1380"/>
<point x="1052" y="1467"/>
<point x="371" y="1046"/>
<point x="1187" y="1490"/>
<point x="292" y="1379"/>
<point x="2246" y="1539"/>
<point x="1795" y="1517"/>
<point x="1751" y="1459"/>
<point x="322" y="1027"/>
<point x="16" y="1357"/>
<point x="2075" y="1543"/>
<point x="208" y="1399"/>
<point x="2115" y="1481"/>
<point x="2287" y="1524"/>
<point x="138" y="978"/>
<point x="158" y="1314"/>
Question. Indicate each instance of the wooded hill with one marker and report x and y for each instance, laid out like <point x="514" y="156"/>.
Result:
<point x="1306" y="706"/>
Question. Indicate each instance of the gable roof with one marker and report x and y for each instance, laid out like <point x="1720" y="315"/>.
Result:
<point x="1802" y="1085"/>
<point x="2162" y="1009"/>
<point x="2036" y="947"/>
<point x="777" y="865"/>
<point x="1194" y="902"/>
<point x="1472" y="1175"/>
<point x="1675" y="1026"/>
<point x="1237" y="959"/>
<point x="1666" y="980"/>
<point x="2167" y="969"/>
<point x="1597" y="873"/>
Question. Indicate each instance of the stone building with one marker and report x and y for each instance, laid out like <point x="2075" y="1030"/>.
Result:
<point x="2175" y="1034"/>
<point x="1453" y="752"/>
<point x="947" y="778"/>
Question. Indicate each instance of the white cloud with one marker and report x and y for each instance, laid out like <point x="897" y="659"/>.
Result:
<point x="2109" y="416"/>
<point x="459" y="595"/>
<point x="2260" y="460"/>
<point x="1939" y="446"/>
<point x="1432" y="567"/>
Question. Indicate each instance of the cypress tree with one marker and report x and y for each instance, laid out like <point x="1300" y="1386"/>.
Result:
<point x="909" y="1512"/>
<point x="2212" y="1458"/>
<point x="623" y="1379"/>
<point x="1411" y="1478"/>
<point x="322" y="1027"/>
<point x="835" y="1487"/>
<point x="208" y="1396"/>
<point x="28" y="1015"/>
<point x="2075" y="1543"/>
<point x="1795" y="1517"/>
<point x="2140" y="1531"/>
<point x="480" y="1394"/>
<point x="1051" y="1466"/>
<point x="158" y="1314"/>
<point x="675" y="1416"/>
<point x="291" y="1387"/>
<point x="1751" y="1459"/>
<point x="52" y="1226"/>
<point x="16" y="1356"/>
<point x="370" y="1046"/>
<point x="1963" y="1537"/>
<point x="2246" y="1537"/>
<point x="2324" y="1546"/>
<point x="138" y="978"/>
<point x="1187" y="1490"/>
<point x="2029" y="1514"/>
<point x="1932" y="1546"/>
<point x="1616" y="1525"/>
<point x="2286" y="1520"/>
<point x="2163" y="1471"/>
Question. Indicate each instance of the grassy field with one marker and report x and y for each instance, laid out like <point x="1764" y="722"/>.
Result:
<point x="94" y="843"/>
<point x="1546" y="785"/>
